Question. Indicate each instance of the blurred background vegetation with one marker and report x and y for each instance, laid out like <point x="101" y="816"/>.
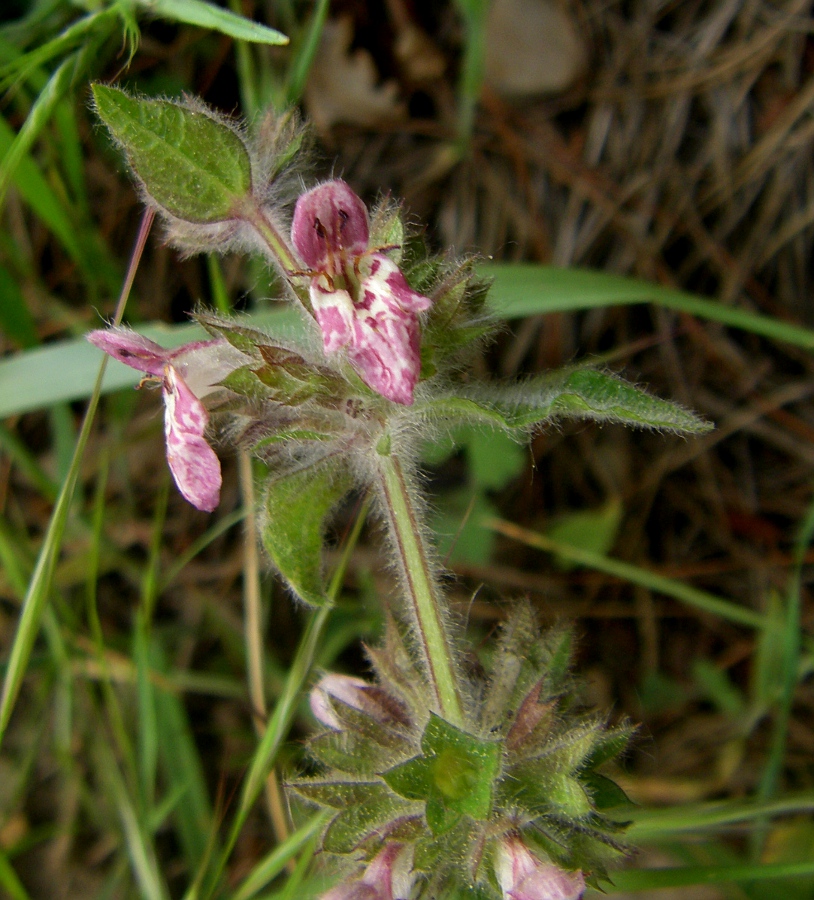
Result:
<point x="668" y="141"/>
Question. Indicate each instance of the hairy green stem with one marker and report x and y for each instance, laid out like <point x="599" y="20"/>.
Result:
<point x="272" y="238"/>
<point x="422" y="591"/>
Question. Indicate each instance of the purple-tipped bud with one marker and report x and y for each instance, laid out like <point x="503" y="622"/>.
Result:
<point x="389" y="877"/>
<point x="522" y="876"/>
<point x="132" y="349"/>
<point x="360" y="297"/>
<point x="332" y="691"/>
<point x="187" y="374"/>
<point x="330" y="224"/>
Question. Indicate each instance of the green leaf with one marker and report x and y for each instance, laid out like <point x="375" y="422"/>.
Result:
<point x="455" y="776"/>
<point x="297" y="504"/>
<point x="336" y="793"/>
<point x="15" y="318"/>
<point x="606" y="794"/>
<point x="608" y="745"/>
<point x="349" y="753"/>
<point x="580" y="393"/>
<point x="211" y="17"/>
<point x="354" y="825"/>
<point x="191" y="163"/>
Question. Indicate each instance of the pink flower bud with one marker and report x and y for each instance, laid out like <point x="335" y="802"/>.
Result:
<point x="360" y="297"/>
<point x="344" y="688"/>
<point x="389" y="876"/>
<point x="187" y="374"/>
<point x="332" y="691"/>
<point x="522" y="876"/>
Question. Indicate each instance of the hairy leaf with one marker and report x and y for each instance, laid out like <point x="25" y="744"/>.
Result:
<point x="191" y="163"/>
<point x="297" y="505"/>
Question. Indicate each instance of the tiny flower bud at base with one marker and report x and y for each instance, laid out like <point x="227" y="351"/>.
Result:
<point x="522" y="876"/>
<point x="388" y="877"/>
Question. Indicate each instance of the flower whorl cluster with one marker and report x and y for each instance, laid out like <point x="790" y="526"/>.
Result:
<point x="511" y="805"/>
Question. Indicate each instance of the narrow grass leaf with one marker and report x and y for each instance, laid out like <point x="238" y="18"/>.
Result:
<point x="669" y="587"/>
<point x="788" y="674"/>
<point x="273" y="864"/>
<point x="139" y="848"/>
<point x="81" y="31"/>
<point x="304" y="53"/>
<point x="684" y="876"/>
<point x="214" y="18"/>
<point x="15" y="318"/>
<point x="9" y="880"/>
<point x="657" y="824"/>
<point x="183" y="771"/>
<point x="65" y="371"/>
<point x="37" y="193"/>
<point x="66" y="74"/>
<point x="525" y="290"/>
<point x="286" y="706"/>
<point x="40" y="584"/>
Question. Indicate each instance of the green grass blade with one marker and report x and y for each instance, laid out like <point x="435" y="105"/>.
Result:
<point x="272" y="865"/>
<point x="141" y="853"/>
<point x="525" y="290"/>
<point x="790" y="673"/>
<point x="684" y="876"/>
<point x="656" y="824"/>
<point x="25" y="461"/>
<point x="9" y="881"/>
<point x="214" y="18"/>
<point x="305" y="53"/>
<point x="15" y="319"/>
<point x="221" y="526"/>
<point x="38" y="194"/>
<point x="286" y="706"/>
<point x="65" y="371"/>
<point x="40" y="585"/>
<point x="21" y="68"/>
<point x="183" y="771"/>
<point x="470" y="85"/>
<point x="708" y="603"/>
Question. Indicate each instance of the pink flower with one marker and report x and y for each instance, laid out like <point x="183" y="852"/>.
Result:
<point x="389" y="876"/>
<point x="187" y="374"/>
<point x="361" y="299"/>
<point x="523" y="876"/>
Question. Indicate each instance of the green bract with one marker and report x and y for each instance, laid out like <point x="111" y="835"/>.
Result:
<point x="189" y="162"/>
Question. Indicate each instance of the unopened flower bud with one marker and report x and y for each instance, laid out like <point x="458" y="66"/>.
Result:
<point x="332" y="690"/>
